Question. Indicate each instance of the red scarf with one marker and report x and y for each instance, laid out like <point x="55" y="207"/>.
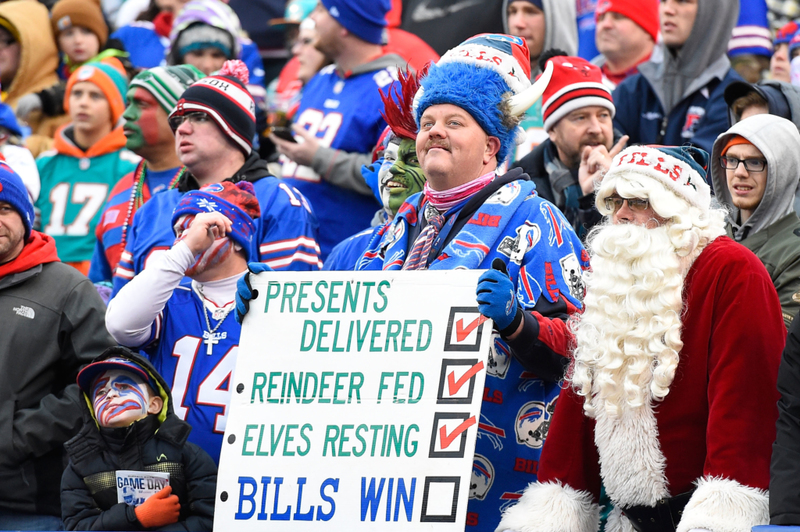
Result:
<point x="39" y="249"/>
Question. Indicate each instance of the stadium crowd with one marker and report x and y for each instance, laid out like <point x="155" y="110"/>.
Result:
<point x="625" y="172"/>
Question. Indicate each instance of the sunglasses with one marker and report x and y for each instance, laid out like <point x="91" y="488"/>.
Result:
<point x="194" y="118"/>
<point x="614" y="203"/>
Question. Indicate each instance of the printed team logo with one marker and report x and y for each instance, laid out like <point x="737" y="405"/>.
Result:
<point x="515" y="248"/>
<point x="509" y="499"/>
<point x="490" y="431"/>
<point x="482" y="477"/>
<point x="499" y="357"/>
<point x="85" y="72"/>
<point x="572" y="273"/>
<point x="533" y="423"/>
<point x="505" y="195"/>
<point x="467" y="244"/>
<point x="693" y="117"/>
<point x="214" y="187"/>
<point x="556" y="236"/>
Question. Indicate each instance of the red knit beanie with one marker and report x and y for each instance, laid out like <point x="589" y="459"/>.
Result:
<point x="642" y="12"/>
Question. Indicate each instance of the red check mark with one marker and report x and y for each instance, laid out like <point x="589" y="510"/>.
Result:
<point x="447" y="439"/>
<point x="454" y="385"/>
<point x="462" y="332"/>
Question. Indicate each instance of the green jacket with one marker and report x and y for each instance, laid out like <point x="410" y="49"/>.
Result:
<point x="778" y="247"/>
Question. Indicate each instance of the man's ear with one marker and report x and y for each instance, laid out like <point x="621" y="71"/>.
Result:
<point x="155" y="405"/>
<point x="492" y="147"/>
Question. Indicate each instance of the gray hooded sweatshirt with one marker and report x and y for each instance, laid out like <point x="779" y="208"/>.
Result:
<point x="677" y="74"/>
<point x="779" y="141"/>
<point x="561" y="27"/>
<point x="773" y="230"/>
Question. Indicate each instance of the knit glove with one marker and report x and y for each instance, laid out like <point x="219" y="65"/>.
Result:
<point x="496" y="298"/>
<point x="245" y="292"/>
<point x="370" y="174"/>
<point x="28" y="104"/>
<point x="159" y="509"/>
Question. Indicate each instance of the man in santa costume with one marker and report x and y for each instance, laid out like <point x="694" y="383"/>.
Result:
<point x="671" y="400"/>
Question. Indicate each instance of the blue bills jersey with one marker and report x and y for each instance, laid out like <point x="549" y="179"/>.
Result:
<point x="343" y="113"/>
<point x="198" y="365"/>
<point x="285" y="238"/>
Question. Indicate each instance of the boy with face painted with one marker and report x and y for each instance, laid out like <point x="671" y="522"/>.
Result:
<point x="185" y="327"/>
<point x="393" y="177"/>
<point x="152" y="96"/>
<point x="129" y="424"/>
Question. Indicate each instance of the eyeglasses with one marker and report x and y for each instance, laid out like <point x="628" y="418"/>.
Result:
<point x="194" y="118"/>
<point x="614" y="203"/>
<point x="751" y="165"/>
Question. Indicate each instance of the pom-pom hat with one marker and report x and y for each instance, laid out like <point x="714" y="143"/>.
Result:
<point x="479" y="75"/>
<point x="237" y="202"/>
<point x="576" y="83"/>
<point x="682" y="169"/>
<point x="225" y="98"/>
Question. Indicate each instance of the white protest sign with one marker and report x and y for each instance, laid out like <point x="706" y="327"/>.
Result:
<point x="355" y="403"/>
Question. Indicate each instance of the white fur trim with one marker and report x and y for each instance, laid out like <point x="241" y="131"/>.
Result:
<point x="617" y="522"/>
<point x="487" y="57"/>
<point x="631" y="462"/>
<point x="672" y="172"/>
<point x="551" y="507"/>
<point x="724" y="505"/>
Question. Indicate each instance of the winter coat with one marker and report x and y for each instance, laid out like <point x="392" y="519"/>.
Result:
<point x="88" y="487"/>
<point x="784" y="482"/>
<point x="53" y="322"/>
<point x="772" y="232"/>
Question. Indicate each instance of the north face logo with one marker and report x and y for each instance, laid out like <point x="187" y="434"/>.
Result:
<point x="25" y="312"/>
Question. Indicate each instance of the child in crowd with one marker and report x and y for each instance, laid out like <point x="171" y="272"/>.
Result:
<point x="129" y="428"/>
<point x="188" y="329"/>
<point x="87" y="160"/>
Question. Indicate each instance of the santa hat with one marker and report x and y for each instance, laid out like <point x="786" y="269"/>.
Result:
<point x="682" y="169"/>
<point x="479" y="75"/>
<point x="643" y="12"/>
<point x="237" y="202"/>
<point x="575" y="83"/>
<point x="225" y="98"/>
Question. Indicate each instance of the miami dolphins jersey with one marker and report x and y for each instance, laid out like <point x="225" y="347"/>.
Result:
<point x="197" y="364"/>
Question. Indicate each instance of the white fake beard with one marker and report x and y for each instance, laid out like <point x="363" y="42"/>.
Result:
<point x="628" y="338"/>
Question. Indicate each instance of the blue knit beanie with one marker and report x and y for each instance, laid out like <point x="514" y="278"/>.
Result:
<point x="478" y="75"/>
<point x="366" y="19"/>
<point x="13" y="192"/>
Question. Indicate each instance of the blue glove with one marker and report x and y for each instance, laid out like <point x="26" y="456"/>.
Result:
<point x="244" y="291"/>
<point x="496" y="298"/>
<point x="370" y="174"/>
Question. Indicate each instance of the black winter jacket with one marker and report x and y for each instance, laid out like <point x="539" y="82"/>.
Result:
<point x="784" y="481"/>
<point x="88" y="486"/>
<point x="51" y="323"/>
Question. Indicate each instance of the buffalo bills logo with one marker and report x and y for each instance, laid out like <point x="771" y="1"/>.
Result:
<point x="693" y="117"/>
<point x="215" y="187"/>
<point x="533" y="423"/>
<point x="499" y="357"/>
<point x="482" y="477"/>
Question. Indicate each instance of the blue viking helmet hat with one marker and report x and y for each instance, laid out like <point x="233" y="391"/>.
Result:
<point x="479" y="75"/>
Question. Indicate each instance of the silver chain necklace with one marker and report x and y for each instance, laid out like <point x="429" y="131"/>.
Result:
<point x="210" y="338"/>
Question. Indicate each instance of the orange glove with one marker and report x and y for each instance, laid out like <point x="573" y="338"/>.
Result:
<point x="159" y="509"/>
